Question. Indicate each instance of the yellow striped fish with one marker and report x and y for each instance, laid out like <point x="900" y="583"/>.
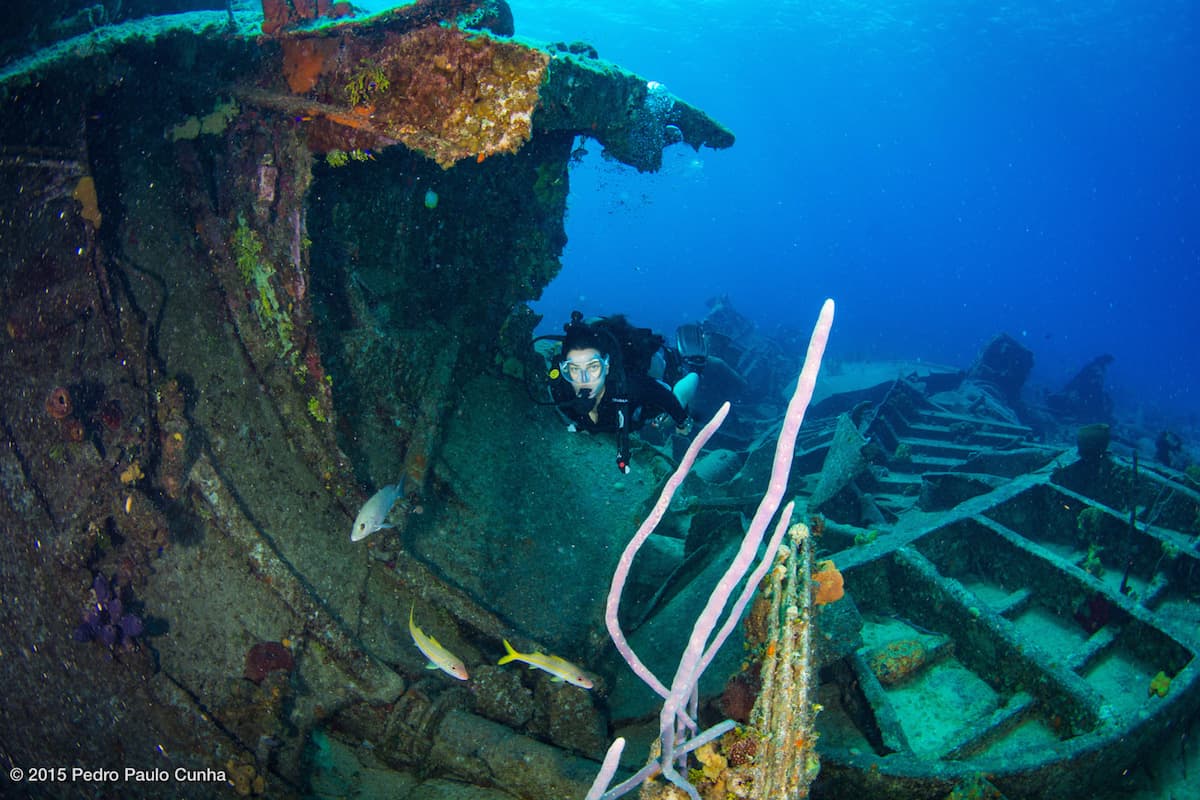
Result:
<point x="561" y="669"/>
<point x="439" y="657"/>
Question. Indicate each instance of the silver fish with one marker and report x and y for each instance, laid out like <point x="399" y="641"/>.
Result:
<point x="373" y="515"/>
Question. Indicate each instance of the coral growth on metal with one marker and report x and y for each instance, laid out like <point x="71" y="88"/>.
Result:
<point x="445" y="92"/>
<point x="454" y="96"/>
<point x="283" y="14"/>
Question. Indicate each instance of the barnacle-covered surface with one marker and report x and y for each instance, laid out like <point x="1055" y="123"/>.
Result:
<point x="446" y="93"/>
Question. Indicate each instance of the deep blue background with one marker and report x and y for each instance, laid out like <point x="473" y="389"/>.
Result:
<point x="946" y="170"/>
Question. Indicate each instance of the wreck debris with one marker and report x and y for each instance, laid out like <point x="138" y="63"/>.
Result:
<point x="1003" y="365"/>
<point x="785" y="760"/>
<point x="1085" y="398"/>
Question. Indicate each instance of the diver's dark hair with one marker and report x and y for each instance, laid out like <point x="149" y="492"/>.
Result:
<point x="580" y="335"/>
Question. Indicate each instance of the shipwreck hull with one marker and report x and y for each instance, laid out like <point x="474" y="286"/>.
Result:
<point x="265" y="296"/>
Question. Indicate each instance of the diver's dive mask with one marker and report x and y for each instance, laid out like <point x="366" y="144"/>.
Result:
<point x="586" y="375"/>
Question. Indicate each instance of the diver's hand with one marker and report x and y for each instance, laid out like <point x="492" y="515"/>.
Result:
<point x="581" y="405"/>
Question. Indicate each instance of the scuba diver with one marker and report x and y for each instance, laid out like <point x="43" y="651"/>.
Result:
<point x="610" y="377"/>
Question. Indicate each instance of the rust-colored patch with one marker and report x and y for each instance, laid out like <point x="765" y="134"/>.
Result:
<point x="830" y="585"/>
<point x="304" y="60"/>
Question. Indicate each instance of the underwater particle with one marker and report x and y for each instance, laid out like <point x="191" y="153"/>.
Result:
<point x="58" y="402"/>
<point x="265" y="658"/>
<point x="431" y="199"/>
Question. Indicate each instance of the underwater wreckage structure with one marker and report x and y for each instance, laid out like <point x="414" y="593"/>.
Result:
<point x="246" y="275"/>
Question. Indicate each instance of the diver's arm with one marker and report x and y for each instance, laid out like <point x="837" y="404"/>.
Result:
<point x="658" y="396"/>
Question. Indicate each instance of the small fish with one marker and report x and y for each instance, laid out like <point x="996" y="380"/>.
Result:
<point x="561" y="669"/>
<point x="374" y="512"/>
<point x="439" y="657"/>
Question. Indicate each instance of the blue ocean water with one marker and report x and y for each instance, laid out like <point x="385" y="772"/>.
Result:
<point x="946" y="170"/>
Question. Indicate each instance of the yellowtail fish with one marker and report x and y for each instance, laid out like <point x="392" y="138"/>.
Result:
<point x="561" y="669"/>
<point x="439" y="657"/>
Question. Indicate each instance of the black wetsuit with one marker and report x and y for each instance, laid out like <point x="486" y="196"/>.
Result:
<point x="639" y="400"/>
